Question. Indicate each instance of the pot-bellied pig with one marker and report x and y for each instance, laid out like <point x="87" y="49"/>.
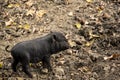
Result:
<point x="36" y="50"/>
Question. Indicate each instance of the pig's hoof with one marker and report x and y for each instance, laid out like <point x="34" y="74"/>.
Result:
<point x="30" y="76"/>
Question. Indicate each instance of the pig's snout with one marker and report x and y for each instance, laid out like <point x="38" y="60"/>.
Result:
<point x="66" y="45"/>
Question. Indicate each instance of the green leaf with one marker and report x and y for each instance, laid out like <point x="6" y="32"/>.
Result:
<point x="78" y="26"/>
<point x="1" y="64"/>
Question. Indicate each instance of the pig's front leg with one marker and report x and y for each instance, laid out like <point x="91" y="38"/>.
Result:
<point x="26" y="70"/>
<point x="46" y="63"/>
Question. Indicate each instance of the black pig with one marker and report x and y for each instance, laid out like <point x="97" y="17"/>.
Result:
<point x="36" y="50"/>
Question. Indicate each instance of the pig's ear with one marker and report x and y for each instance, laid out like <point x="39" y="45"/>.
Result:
<point x="54" y="38"/>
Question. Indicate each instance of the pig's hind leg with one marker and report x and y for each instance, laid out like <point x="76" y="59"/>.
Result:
<point x="14" y="65"/>
<point x="26" y="67"/>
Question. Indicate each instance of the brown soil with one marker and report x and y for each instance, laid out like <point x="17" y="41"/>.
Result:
<point x="92" y="28"/>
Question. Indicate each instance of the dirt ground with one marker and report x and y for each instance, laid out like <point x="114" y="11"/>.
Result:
<point x="91" y="26"/>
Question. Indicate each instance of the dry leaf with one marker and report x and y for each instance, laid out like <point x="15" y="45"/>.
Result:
<point x="7" y="26"/>
<point x="40" y="13"/>
<point x="90" y="31"/>
<point x="100" y="9"/>
<point x="1" y="64"/>
<point x="95" y="36"/>
<point x="113" y="56"/>
<point x="72" y="44"/>
<point x="26" y="26"/>
<point x="20" y="26"/>
<point x="66" y="1"/>
<point x="89" y="1"/>
<point x="70" y="14"/>
<point x="7" y="23"/>
<point x="84" y="69"/>
<point x="13" y="5"/>
<point x="86" y="22"/>
<point x="45" y="70"/>
<point x="78" y="26"/>
<point x="14" y="23"/>
<point x="61" y="62"/>
<point x="92" y="35"/>
<point x="106" y="15"/>
<point x="19" y="78"/>
<point x="30" y="12"/>
<point x="89" y="43"/>
<point x="29" y="3"/>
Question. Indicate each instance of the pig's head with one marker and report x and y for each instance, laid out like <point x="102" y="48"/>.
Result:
<point x="59" y="42"/>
